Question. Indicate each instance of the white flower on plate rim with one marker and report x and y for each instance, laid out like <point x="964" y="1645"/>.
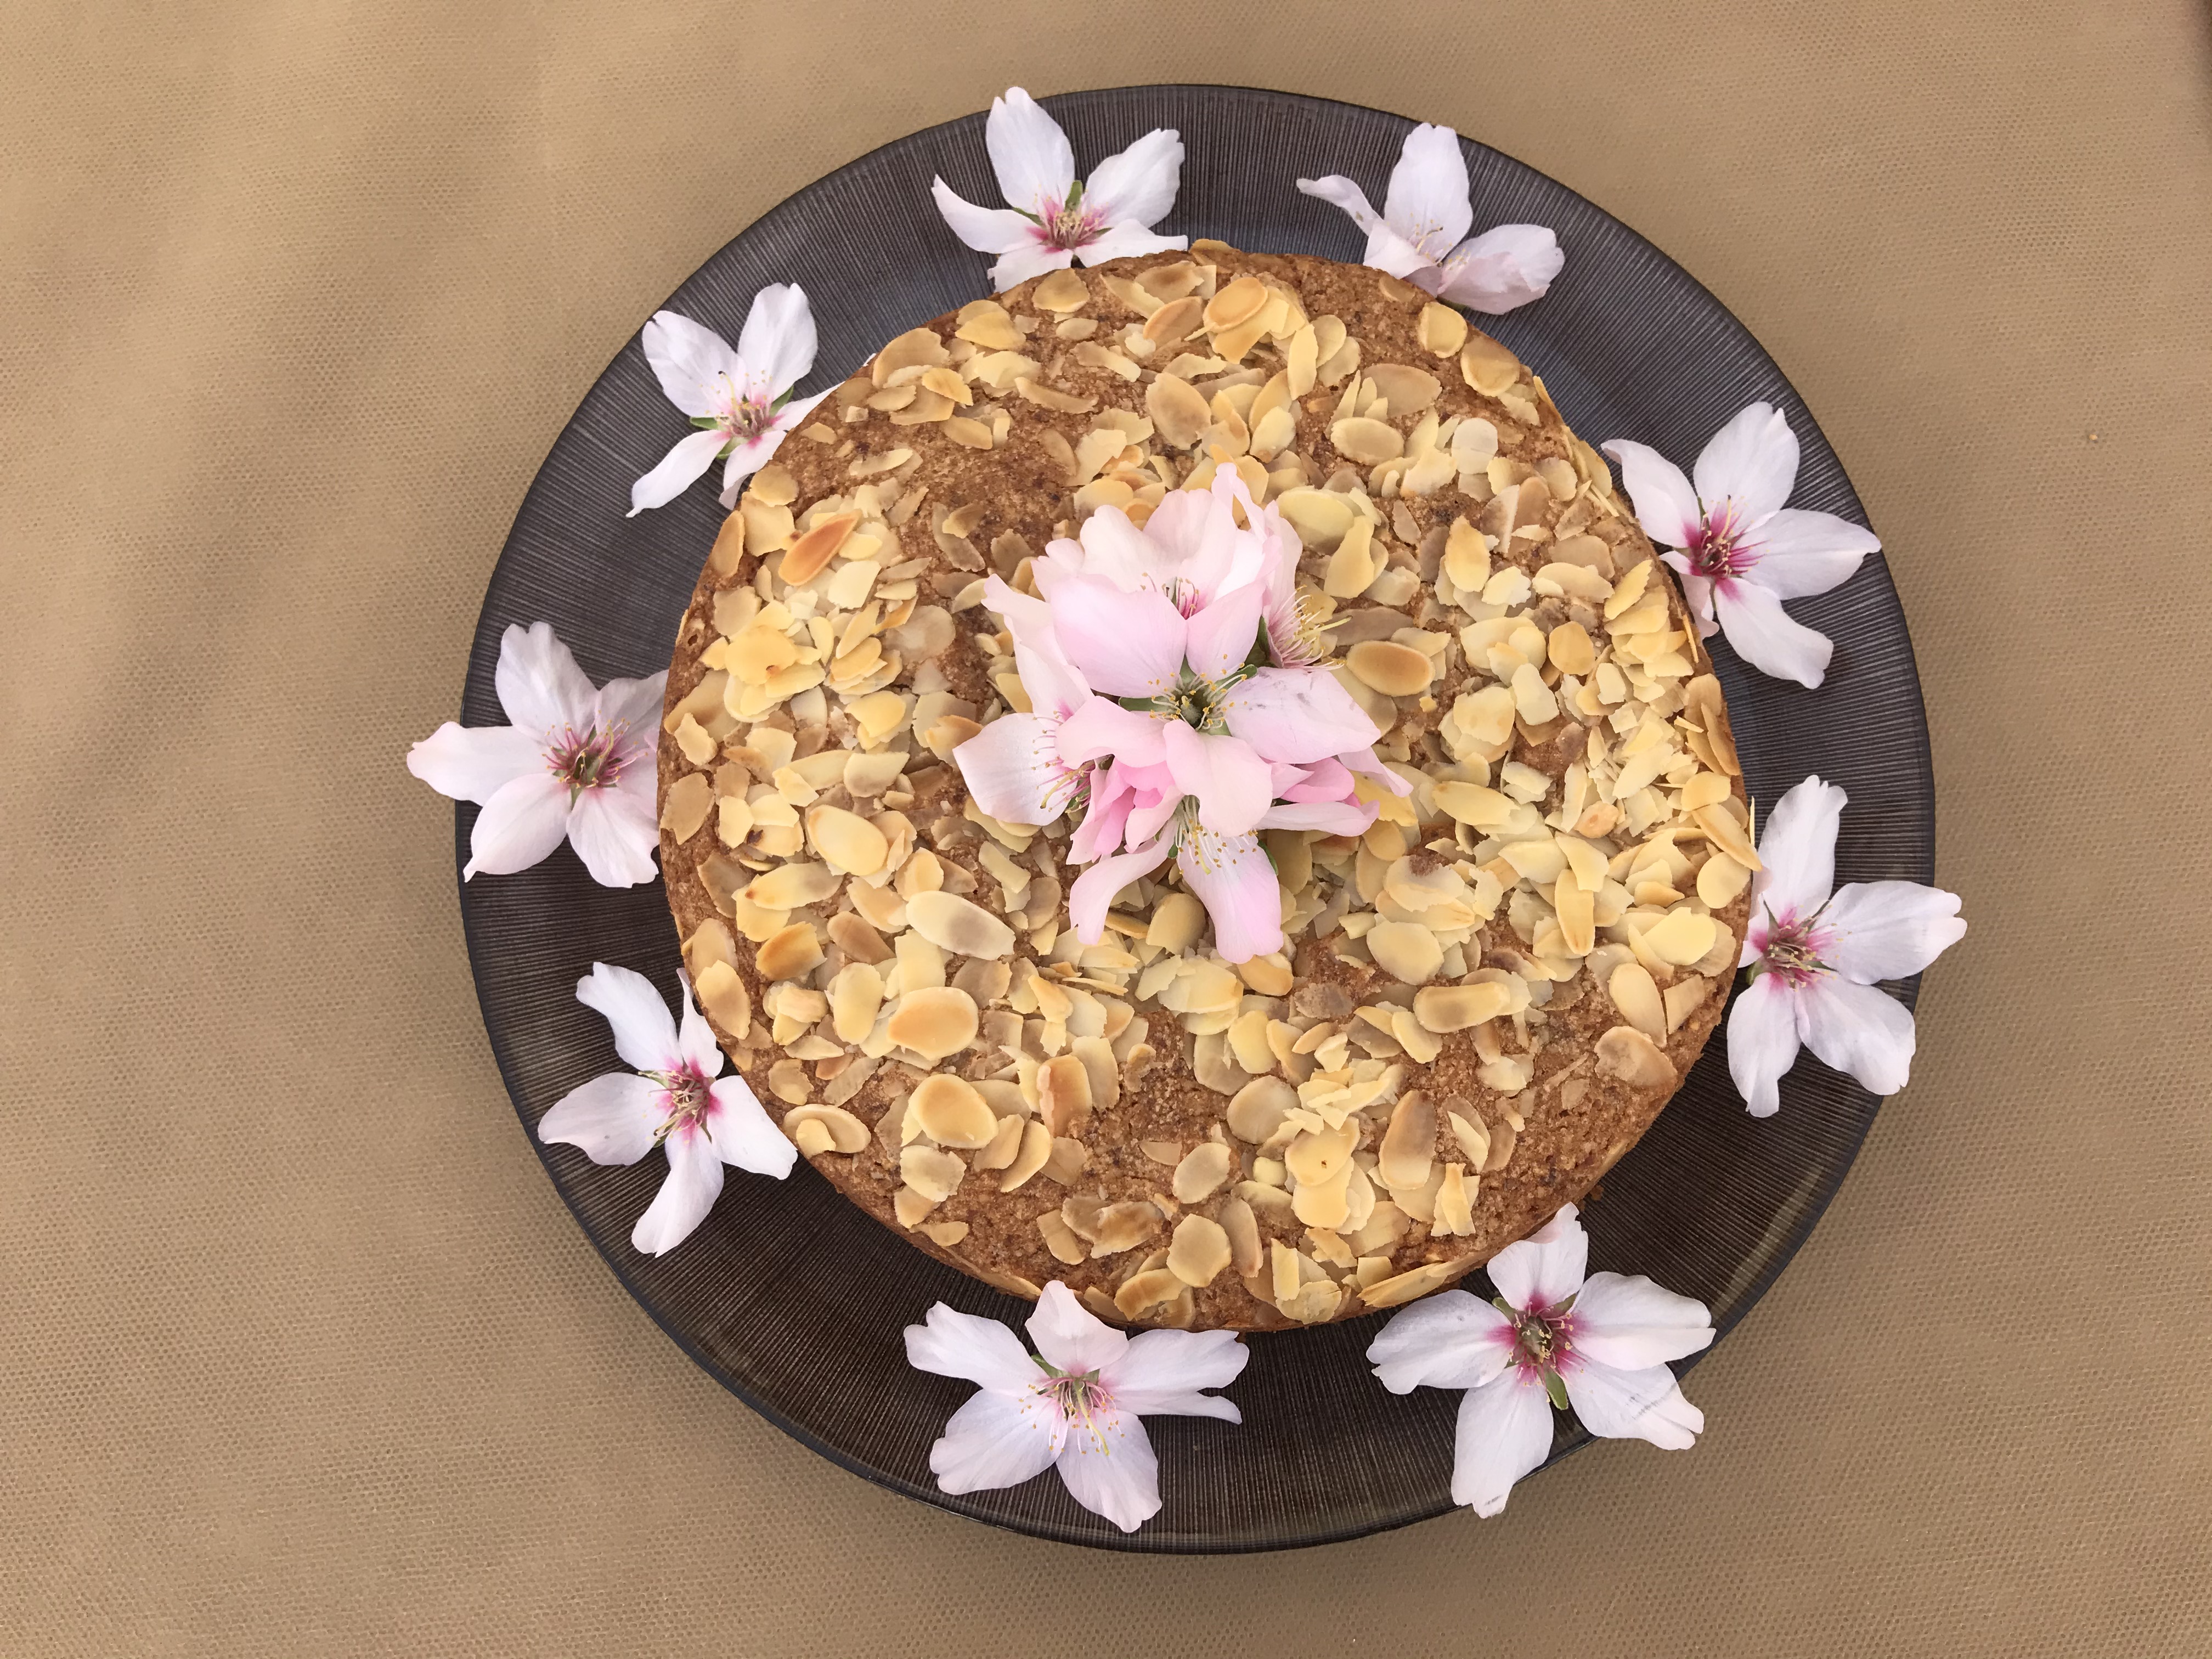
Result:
<point x="1551" y="1337"/>
<point x="1741" y="552"/>
<point x="1051" y="220"/>
<point x="576" y="765"/>
<point x="737" y="397"/>
<point x="675" y="1098"/>
<point x="1421" y="234"/>
<point x="1817" y="953"/>
<point x="1074" y="1405"/>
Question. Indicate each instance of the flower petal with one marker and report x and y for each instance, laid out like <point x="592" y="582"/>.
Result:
<point x="1426" y="203"/>
<point x="1767" y="637"/>
<point x="1094" y="891"/>
<point x="519" y="826"/>
<point x="1451" y="1340"/>
<point x="1297" y="715"/>
<point x="1696" y="593"/>
<point x="1859" y="1029"/>
<point x="1502" y="269"/>
<point x="538" y="682"/>
<point x="695" y="1039"/>
<point x="1546" y="1268"/>
<point x="1233" y="877"/>
<point x="743" y="1134"/>
<point x="644" y="1031"/>
<point x="1341" y="191"/>
<point x="695" y="1182"/>
<point x="632" y="707"/>
<point x="1069" y="1336"/>
<point x="1028" y="152"/>
<point x="1127" y="645"/>
<point x="1331" y="818"/>
<point x="615" y="833"/>
<point x="1219" y="636"/>
<point x="1798" y="848"/>
<point x="988" y="230"/>
<point x="1801" y="554"/>
<point x="1127" y="242"/>
<point x="1762" y="1042"/>
<point x="1028" y="618"/>
<point x="1752" y="459"/>
<point x="611" y="1120"/>
<point x="1101" y="727"/>
<point x="981" y="1351"/>
<point x="473" y="762"/>
<point x="1110" y="1469"/>
<point x="1633" y="1404"/>
<point x="1876" y="930"/>
<point x="1504" y="1431"/>
<point x="1630" y="1322"/>
<point x="1665" y="504"/>
<point x="1160" y="1373"/>
<point x="777" y="346"/>
<point x="995" y="1440"/>
<point x="1032" y="259"/>
<point x="679" y="469"/>
<point x="1013" y="769"/>
<point x="690" y="360"/>
<point x="1138" y="186"/>
<point x="1232" y="784"/>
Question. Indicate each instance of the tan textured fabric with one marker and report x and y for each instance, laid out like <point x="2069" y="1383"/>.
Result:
<point x="303" y="1355"/>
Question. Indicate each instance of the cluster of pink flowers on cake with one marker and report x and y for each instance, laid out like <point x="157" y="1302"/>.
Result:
<point x="1180" y="702"/>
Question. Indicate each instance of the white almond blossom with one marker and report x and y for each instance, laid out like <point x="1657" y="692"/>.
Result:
<point x="576" y="765"/>
<point x="675" y="1098"/>
<point x="1050" y="219"/>
<point x="1817" y="953"/>
<point x="1551" y="1337"/>
<point x="1742" y="552"/>
<point x="1074" y="1405"/>
<point x="739" y="399"/>
<point x="1421" y="234"/>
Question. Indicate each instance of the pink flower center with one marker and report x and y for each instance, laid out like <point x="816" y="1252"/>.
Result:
<point x="1079" y="1398"/>
<point x="590" y="759"/>
<point x="1066" y="225"/>
<point x="1795" y="949"/>
<point x="686" y="1097"/>
<point x="743" y="415"/>
<point x="1716" y="550"/>
<point x="1543" y="1342"/>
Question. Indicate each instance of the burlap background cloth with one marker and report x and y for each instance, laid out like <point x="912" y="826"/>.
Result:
<point x="303" y="1356"/>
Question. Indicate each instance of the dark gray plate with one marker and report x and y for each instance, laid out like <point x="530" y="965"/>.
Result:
<point x="792" y="1298"/>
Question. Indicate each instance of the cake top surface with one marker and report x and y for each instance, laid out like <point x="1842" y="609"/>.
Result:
<point x="1482" y="999"/>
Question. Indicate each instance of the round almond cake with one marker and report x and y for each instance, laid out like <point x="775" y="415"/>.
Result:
<point x="1482" y="1001"/>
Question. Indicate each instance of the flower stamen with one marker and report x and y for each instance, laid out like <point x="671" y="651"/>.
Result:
<point x="590" y="759"/>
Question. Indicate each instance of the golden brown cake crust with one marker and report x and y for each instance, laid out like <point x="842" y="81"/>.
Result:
<point x="968" y="446"/>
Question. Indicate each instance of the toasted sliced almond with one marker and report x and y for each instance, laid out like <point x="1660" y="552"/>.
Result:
<point x="1035" y="1151"/>
<point x="842" y="1132"/>
<point x="1636" y="995"/>
<point x="1439" y="329"/>
<point x="1199" y="1251"/>
<point x="1064" y="1098"/>
<point x="1202" y="1172"/>
<point x="934" y="1022"/>
<point x="955" y="924"/>
<point x="1394" y="670"/>
<point x="952" y="1113"/>
<point x="1626" y="1053"/>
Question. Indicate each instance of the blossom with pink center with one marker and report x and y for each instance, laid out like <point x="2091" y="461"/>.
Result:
<point x="1741" y="552"/>
<point x="1421" y="234"/>
<point x="1817" y="953"/>
<point x="675" y="1098"/>
<point x="576" y="765"/>
<point x="1554" y="1336"/>
<point x="739" y="398"/>
<point x="1072" y="1405"/>
<point x="1052" y="219"/>
<point x="1164" y="703"/>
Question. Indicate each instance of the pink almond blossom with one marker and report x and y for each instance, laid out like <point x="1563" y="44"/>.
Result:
<point x="1179" y="703"/>
<point x="675" y="1098"/>
<point x="1074" y="1405"/>
<point x="576" y="765"/>
<point x="1418" y="234"/>
<point x="1818" y="952"/>
<point x="1741" y="552"/>
<point x="739" y="398"/>
<point x="1555" y="1336"/>
<point x="1050" y="219"/>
